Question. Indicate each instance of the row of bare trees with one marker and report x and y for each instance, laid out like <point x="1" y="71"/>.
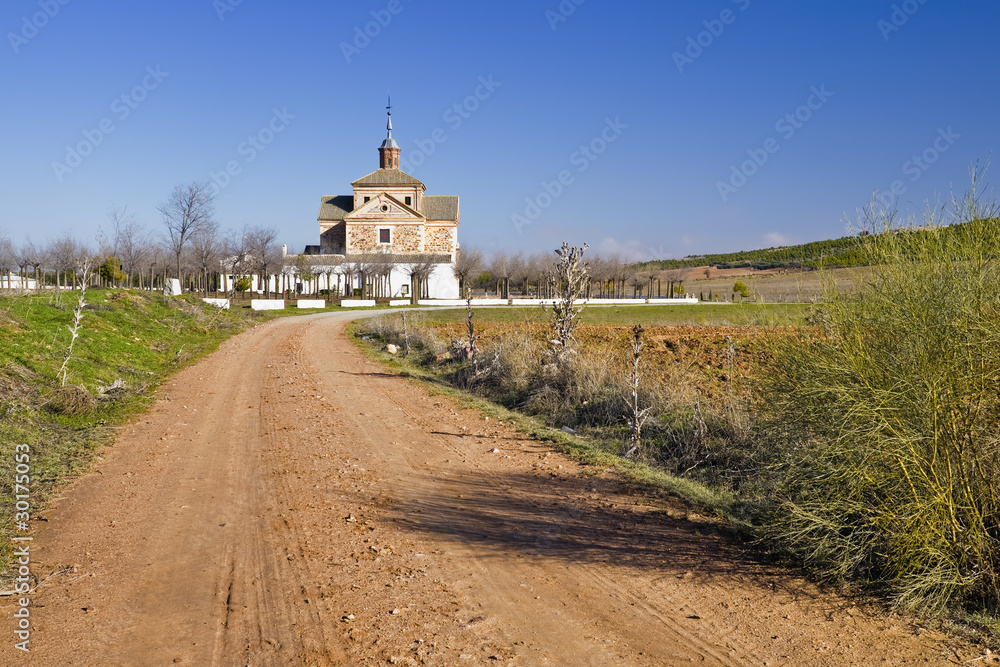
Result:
<point x="533" y="275"/>
<point x="189" y="245"/>
<point x="129" y="254"/>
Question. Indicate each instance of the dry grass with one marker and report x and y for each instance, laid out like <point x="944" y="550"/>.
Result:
<point x="697" y="424"/>
<point x="72" y="401"/>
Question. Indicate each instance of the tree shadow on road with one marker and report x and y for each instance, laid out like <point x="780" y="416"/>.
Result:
<point x="587" y="521"/>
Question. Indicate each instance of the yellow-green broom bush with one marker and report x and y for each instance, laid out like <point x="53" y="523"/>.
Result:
<point x="888" y="422"/>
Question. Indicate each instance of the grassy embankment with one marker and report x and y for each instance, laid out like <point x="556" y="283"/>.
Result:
<point x="129" y="343"/>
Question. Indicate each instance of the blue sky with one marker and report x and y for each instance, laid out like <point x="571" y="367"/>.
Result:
<point x="667" y="122"/>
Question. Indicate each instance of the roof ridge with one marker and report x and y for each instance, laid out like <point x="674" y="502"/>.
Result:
<point x="388" y="177"/>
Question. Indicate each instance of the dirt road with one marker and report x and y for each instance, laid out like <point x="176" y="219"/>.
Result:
<point x="286" y="502"/>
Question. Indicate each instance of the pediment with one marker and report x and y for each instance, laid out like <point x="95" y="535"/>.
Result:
<point x="384" y="206"/>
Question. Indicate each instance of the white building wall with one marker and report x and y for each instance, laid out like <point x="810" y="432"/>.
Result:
<point x="442" y="283"/>
<point x="14" y="281"/>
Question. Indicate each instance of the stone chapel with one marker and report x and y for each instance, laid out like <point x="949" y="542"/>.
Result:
<point x="389" y="212"/>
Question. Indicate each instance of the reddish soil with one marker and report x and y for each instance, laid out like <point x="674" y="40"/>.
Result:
<point x="706" y="355"/>
<point x="288" y="502"/>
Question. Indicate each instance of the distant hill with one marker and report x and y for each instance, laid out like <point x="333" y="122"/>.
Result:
<point x="826" y="254"/>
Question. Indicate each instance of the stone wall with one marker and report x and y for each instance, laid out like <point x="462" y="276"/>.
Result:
<point x="406" y="238"/>
<point x="440" y="240"/>
<point x="334" y="239"/>
<point x="361" y="239"/>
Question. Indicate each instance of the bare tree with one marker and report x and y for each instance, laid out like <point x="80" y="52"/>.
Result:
<point x="263" y="248"/>
<point x="638" y="415"/>
<point x="623" y="273"/>
<point x="74" y="328"/>
<point x="473" y="349"/>
<point x="517" y="267"/>
<point x="535" y="271"/>
<point x="345" y="273"/>
<point x="134" y="246"/>
<point x="29" y="255"/>
<point x="468" y="263"/>
<point x="420" y="273"/>
<point x="361" y="270"/>
<point x="614" y="271"/>
<point x="188" y="209"/>
<point x="8" y="259"/>
<point x="370" y="268"/>
<point x="63" y="256"/>
<point x="205" y="250"/>
<point x="125" y="239"/>
<point x="304" y="269"/>
<point x="600" y="272"/>
<point x="639" y="282"/>
<point x="501" y="267"/>
<point x="572" y="276"/>
<point x="327" y="272"/>
<point x="155" y="261"/>
<point x="238" y="262"/>
<point x="108" y="241"/>
<point x="674" y="277"/>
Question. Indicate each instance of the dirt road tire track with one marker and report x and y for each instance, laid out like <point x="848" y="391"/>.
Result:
<point x="287" y="502"/>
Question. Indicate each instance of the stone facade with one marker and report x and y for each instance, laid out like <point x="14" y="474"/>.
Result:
<point x="404" y="240"/>
<point x="407" y="239"/>
<point x="361" y="239"/>
<point x="440" y="240"/>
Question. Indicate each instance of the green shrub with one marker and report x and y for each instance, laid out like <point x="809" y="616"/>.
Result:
<point x="888" y="421"/>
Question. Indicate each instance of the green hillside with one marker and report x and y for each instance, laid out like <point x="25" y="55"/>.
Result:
<point x="826" y="254"/>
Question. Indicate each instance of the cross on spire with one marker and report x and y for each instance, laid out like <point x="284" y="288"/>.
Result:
<point x="389" y="151"/>
<point x="389" y="113"/>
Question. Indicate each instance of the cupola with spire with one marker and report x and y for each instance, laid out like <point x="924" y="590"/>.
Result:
<point x="389" y="150"/>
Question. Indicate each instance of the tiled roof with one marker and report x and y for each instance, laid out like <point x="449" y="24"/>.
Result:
<point x="387" y="177"/>
<point x="335" y="208"/>
<point x="440" y="208"/>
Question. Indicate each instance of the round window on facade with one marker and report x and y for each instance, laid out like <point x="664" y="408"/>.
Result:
<point x="385" y="208"/>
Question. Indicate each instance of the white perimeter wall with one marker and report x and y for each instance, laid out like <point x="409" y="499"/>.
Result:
<point x="442" y="283"/>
